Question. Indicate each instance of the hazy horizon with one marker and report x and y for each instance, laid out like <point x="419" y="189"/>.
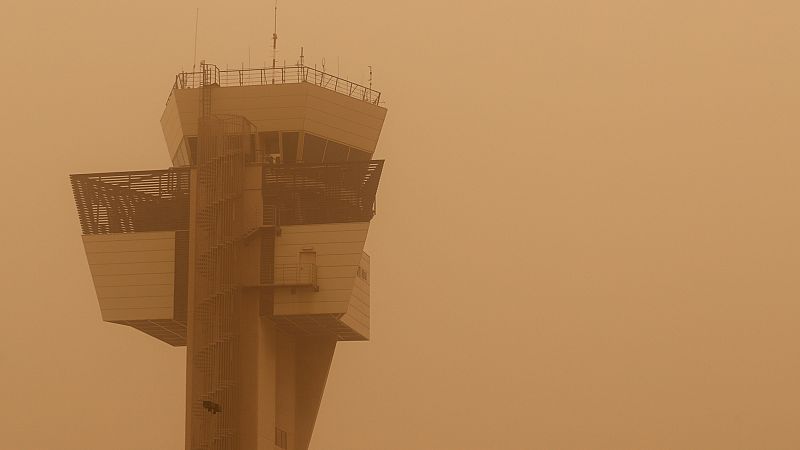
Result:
<point x="586" y="233"/>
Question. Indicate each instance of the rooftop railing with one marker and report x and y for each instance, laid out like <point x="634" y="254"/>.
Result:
<point x="280" y="75"/>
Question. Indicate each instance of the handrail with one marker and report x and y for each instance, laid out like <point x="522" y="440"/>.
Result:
<point x="281" y="75"/>
<point x="303" y="274"/>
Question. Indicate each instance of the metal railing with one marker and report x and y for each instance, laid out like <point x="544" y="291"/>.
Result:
<point x="304" y="274"/>
<point x="322" y="193"/>
<point x="271" y="216"/>
<point x="126" y="202"/>
<point x="280" y="75"/>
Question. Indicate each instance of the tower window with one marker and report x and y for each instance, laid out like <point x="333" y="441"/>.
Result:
<point x="289" y="145"/>
<point x="335" y="152"/>
<point x="358" y="155"/>
<point x="268" y="142"/>
<point x="191" y="142"/>
<point x="313" y="148"/>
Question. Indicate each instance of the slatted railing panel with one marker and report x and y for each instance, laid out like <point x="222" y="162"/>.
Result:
<point x="127" y="202"/>
<point x="322" y="193"/>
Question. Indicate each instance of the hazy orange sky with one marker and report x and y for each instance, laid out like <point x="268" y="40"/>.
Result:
<point x="587" y="229"/>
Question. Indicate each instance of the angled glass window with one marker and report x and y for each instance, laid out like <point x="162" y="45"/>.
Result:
<point x="358" y="155"/>
<point x="313" y="148"/>
<point x="290" y="146"/>
<point x="192" y="144"/>
<point x="335" y="152"/>
<point x="268" y="142"/>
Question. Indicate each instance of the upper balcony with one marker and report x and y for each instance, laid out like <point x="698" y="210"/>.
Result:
<point x="278" y="75"/>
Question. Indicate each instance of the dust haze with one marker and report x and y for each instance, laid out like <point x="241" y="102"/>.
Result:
<point x="587" y="228"/>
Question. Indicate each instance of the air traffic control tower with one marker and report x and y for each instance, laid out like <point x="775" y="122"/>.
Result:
<point x="249" y="249"/>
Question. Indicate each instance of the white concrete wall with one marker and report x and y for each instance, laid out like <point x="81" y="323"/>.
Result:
<point x="133" y="274"/>
<point x="357" y="316"/>
<point x="339" y="249"/>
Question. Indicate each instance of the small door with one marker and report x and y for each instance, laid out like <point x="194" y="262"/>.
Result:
<point x="306" y="268"/>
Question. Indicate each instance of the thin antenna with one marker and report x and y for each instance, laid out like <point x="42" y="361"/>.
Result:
<point x="302" y="58"/>
<point x="370" y="78"/>
<point x="274" y="41"/>
<point x="196" y="20"/>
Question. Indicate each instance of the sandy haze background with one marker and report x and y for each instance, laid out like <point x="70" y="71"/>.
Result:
<point x="587" y="230"/>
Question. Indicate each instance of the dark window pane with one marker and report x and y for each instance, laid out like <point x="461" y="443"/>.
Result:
<point x="335" y="152"/>
<point x="358" y="155"/>
<point x="192" y="141"/>
<point x="180" y="157"/>
<point x="268" y="142"/>
<point x="250" y="147"/>
<point x="313" y="148"/>
<point x="290" y="147"/>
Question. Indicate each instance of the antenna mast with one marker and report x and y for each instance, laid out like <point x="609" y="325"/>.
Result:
<point x="274" y="41"/>
<point x="196" y="20"/>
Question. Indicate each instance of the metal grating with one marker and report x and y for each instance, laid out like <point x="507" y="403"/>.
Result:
<point x="214" y="344"/>
<point x="317" y="325"/>
<point x="127" y="202"/>
<point x="321" y="193"/>
<point x="170" y="331"/>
